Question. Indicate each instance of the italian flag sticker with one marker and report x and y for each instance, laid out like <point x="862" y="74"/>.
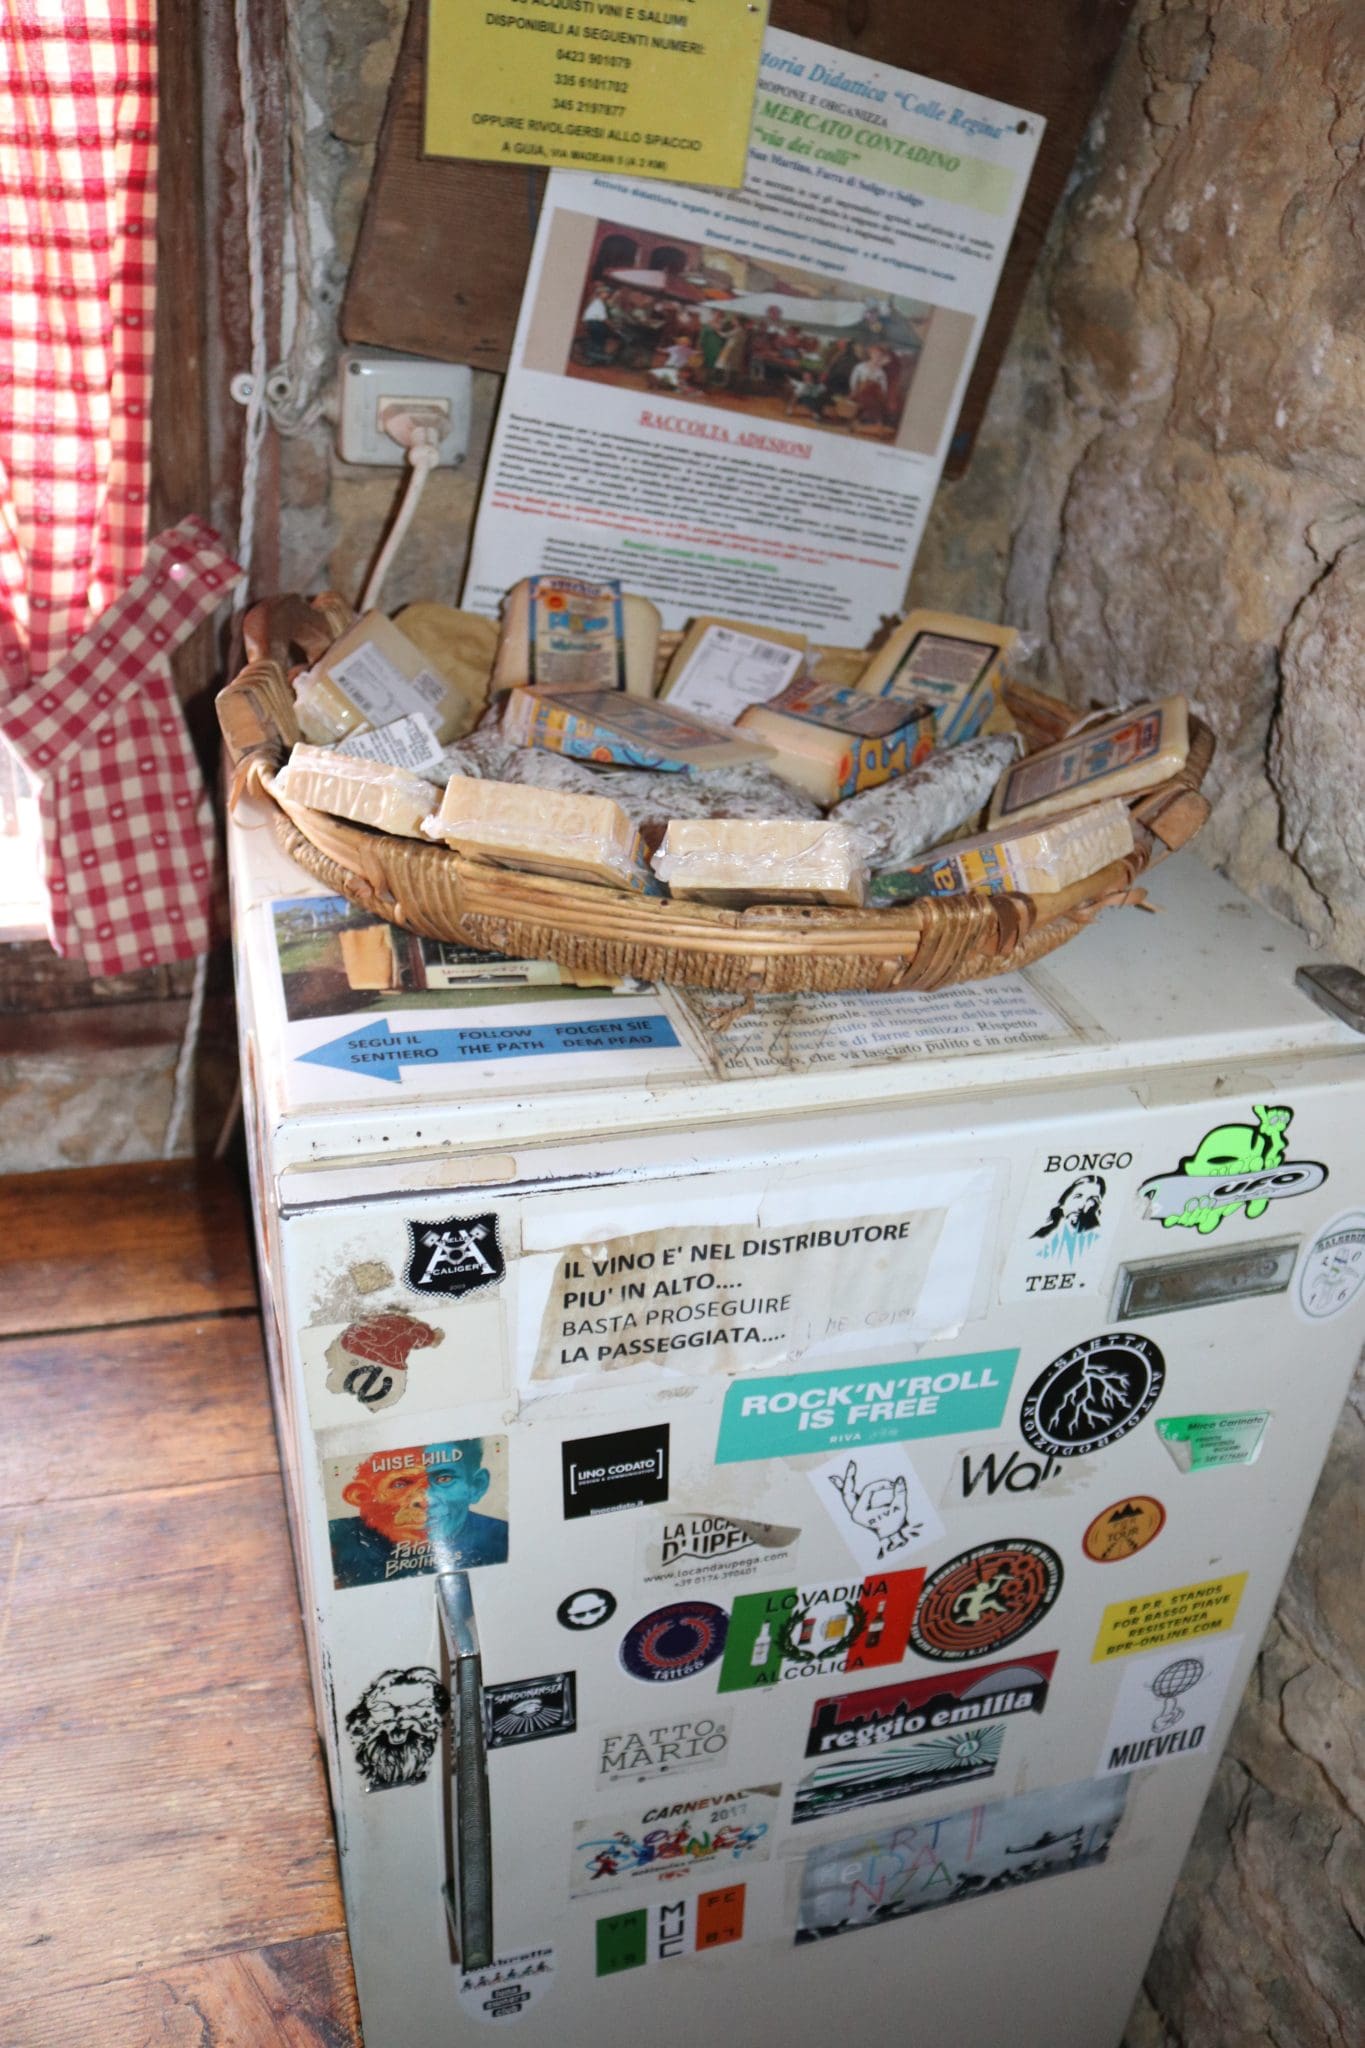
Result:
<point x="818" y="1631"/>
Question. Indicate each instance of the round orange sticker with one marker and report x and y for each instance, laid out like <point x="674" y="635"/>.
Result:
<point x="1124" y="1529"/>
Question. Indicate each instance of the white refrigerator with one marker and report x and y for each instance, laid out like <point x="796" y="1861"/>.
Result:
<point x="788" y="1496"/>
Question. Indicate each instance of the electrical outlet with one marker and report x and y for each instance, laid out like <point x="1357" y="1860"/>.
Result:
<point x="373" y="380"/>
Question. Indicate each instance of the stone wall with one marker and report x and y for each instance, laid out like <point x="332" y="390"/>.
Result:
<point x="1167" y="496"/>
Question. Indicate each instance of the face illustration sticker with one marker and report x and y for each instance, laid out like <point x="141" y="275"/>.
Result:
<point x="395" y="1725"/>
<point x="984" y="1598"/>
<point x="1092" y="1395"/>
<point x="454" y="1258"/>
<point x="1234" y="1166"/>
<point x="674" y="1642"/>
<point x="587" y="1608"/>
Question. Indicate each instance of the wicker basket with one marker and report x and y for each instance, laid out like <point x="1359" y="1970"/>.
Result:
<point x="598" y="933"/>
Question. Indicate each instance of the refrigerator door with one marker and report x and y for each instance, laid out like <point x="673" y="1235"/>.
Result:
<point x="853" y="1532"/>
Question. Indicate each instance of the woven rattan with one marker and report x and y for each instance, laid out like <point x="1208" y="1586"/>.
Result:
<point x="595" y="932"/>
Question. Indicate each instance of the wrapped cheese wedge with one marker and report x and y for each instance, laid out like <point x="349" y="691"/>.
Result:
<point x="1122" y="755"/>
<point x="559" y="633"/>
<point x="461" y="647"/>
<point x="545" y="832"/>
<point x="369" y="677"/>
<point x="832" y="742"/>
<point x="722" y="666"/>
<point x="367" y="792"/>
<point x="1038" y="856"/>
<point x="956" y="661"/>
<point x="737" y="861"/>
<point x="906" y="817"/>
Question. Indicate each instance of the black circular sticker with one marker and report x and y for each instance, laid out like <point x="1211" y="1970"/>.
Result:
<point x="985" y="1598"/>
<point x="1092" y="1395"/>
<point x="588" y="1608"/>
<point x="674" y="1642"/>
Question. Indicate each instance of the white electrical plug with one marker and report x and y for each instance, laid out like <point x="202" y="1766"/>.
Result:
<point x="375" y="387"/>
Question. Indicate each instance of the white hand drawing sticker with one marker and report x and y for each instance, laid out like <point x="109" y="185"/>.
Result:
<point x="877" y="1503"/>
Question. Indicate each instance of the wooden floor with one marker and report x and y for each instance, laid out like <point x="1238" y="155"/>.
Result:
<point x="167" y="1869"/>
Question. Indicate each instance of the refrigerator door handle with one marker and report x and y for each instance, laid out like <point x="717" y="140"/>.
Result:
<point x="471" y="1897"/>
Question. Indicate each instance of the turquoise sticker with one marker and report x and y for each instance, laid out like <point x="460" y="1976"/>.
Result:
<point x="782" y="1416"/>
<point x="1200" y="1443"/>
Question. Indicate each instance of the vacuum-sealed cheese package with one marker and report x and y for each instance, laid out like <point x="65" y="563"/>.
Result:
<point x="367" y="792"/>
<point x="1037" y="857"/>
<point x="1120" y="756"/>
<point x="545" y="832"/>
<point x="369" y="677"/>
<point x="739" y="861"/>
<point x="560" y="633"/>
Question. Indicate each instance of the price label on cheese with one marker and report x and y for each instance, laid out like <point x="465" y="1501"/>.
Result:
<point x="664" y="91"/>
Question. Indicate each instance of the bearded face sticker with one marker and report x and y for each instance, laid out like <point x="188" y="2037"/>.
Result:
<point x="395" y="1725"/>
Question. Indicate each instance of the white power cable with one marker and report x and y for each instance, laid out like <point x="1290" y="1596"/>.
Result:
<point x="418" y="429"/>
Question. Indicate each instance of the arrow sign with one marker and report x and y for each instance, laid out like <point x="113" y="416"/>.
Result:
<point x="377" y="1049"/>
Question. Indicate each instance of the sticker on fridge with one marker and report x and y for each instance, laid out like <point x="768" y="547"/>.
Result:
<point x="719" y="1297"/>
<point x="1203" y="1443"/>
<point x="625" y="1468"/>
<point x="819" y="1631"/>
<point x="986" y="1472"/>
<point x="668" y="1928"/>
<point x="1168" y="1706"/>
<point x="877" y="1504"/>
<point x="529" y="1709"/>
<point x="1233" y="1168"/>
<point x="1204" y="1609"/>
<point x="369" y="1360"/>
<point x="985" y="1598"/>
<point x="683" y="1742"/>
<point x="1092" y="1395"/>
<point x="420" y="1509"/>
<point x="781" y="1416"/>
<point x="457" y="1256"/>
<point x="675" y="1642"/>
<point x="1333" y="1269"/>
<point x="919" y="1736"/>
<point x="508" y="1986"/>
<point x="672" y="1838"/>
<point x="688" y="1550"/>
<point x="395" y="1725"/>
<point x="1071" y="1204"/>
<point x="1124" y="1528"/>
<point x="869" y="1879"/>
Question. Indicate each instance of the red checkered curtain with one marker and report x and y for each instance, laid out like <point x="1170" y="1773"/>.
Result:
<point x="127" y="825"/>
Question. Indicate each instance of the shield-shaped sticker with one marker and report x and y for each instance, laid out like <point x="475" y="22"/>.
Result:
<point x="456" y="1257"/>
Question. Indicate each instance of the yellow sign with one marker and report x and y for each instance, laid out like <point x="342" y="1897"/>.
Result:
<point x="1156" y="1618"/>
<point x="663" y="92"/>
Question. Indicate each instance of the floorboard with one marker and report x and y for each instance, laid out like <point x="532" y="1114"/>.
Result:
<point x="121" y="1244"/>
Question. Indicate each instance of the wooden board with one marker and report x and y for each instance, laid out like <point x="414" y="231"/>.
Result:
<point x="298" y="1993"/>
<point x="121" y="1244"/>
<point x="444" y="246"/>
<point x="184" y="1398"/>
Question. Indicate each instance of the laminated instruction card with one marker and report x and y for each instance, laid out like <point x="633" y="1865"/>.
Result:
<point x="739" y="403"/>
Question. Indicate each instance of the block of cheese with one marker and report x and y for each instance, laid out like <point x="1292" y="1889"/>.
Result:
<point x="561" y="634"/>
<point x="1132" y="751"/>
<point x="603" y="725"/>
<point x="372" y="675"/>
<point x="954" y="660"/>
<point x="1041" y="855"/>
<point x="832" y="742"/>
<point x="722" y="666"/>
<point x="543" y="831"/>
<point x="907" y="816"/>
<point x="735" y="861"/>
<point x="368" y="792"/>
<point x="461" y="646"/>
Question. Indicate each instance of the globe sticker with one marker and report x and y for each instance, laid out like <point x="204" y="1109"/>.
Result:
<point x="1124" y="1529"/>
<point x="984" y="1598"/>
<point x="1169" y="1702"/>
<point x="1092" y="1395"/>
<point x="1333" y="1269"/>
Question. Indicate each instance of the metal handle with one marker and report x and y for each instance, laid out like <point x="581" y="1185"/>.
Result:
<point x="472" y="1901"/>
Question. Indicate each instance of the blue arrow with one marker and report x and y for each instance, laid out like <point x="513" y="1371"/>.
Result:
<point x="378" y="1049"/>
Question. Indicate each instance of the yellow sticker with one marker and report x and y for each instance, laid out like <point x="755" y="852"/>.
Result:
<point x="1208" y="1609"/>
<point x="664" y="91"/>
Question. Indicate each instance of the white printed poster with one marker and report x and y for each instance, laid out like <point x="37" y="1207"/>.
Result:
<point x="740" y="402"/>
